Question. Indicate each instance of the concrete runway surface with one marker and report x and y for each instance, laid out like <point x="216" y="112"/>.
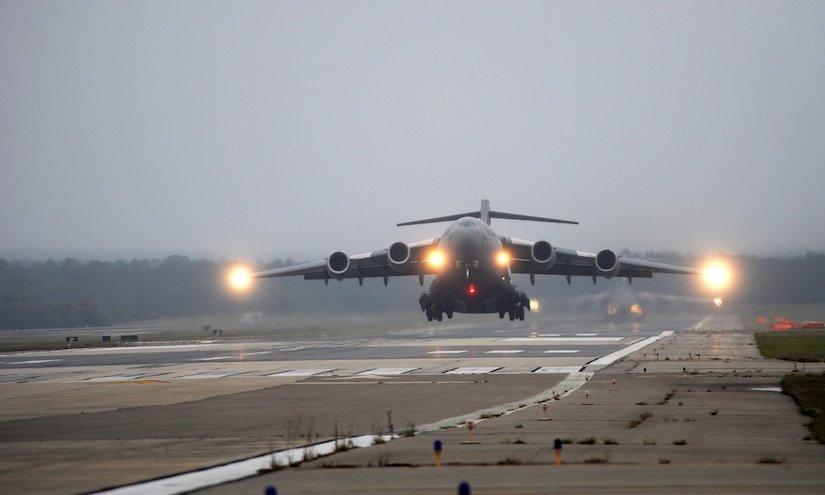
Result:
<point x="85" y="421"/>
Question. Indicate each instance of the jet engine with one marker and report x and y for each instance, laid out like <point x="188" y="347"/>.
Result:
<point x="607" y="263"/>
<point x="543" y="254"/>
<point x="338" y="265"/>
<point x="398" y="255"/>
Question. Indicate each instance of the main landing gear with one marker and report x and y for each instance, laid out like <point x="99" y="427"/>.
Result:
<point x="516" y="309"/>
<point x="434" y="311"/>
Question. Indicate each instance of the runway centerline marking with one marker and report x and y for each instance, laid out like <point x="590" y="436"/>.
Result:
<point x="562" y="351"/>
<point x="504" y="351"/>
<point x="447" y="352"/>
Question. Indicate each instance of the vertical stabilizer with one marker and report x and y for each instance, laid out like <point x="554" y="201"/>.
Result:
<point x="485" y="211"/>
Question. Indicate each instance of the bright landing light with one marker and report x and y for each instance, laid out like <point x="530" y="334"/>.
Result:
<point x="240" y="278"/>
<point x="436" y="258"/>
<point x="717" y="275"/>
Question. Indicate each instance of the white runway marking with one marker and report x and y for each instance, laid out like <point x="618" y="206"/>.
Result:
<point x="558" y="369"/>
<point x="593" y="340"/>
<point x="216" y="358"/>
<point x="586" y="334"/>
<point x="469" y="370"/>
<point x="504" y="351"/>
<point x="132" y="348"/>
<point x="203" y="376"/>
<point x="387" y="371"/>
<point x="117" y="378"/>
<point x="612" y="358"/>
<point x="35" y="361"/>
<point x="562" y="351"/>
<point x="447" y="352"/>
<point x="304" y="372"/>
<point x="188" y="482"/>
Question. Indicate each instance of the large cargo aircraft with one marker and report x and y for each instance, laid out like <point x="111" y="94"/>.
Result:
<point x="472" y="265"/>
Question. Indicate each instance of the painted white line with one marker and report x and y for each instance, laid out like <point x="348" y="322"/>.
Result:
<point x="586" y="340"/>
<point x="188" y="482"/>
<point x="767" y="389"/>
<point x="303" y="372"/>
<point x="586" y="334"/>
<point x="387" y="371"/>
<point x="558" y="369"/>
<point x="612" y="358"/>
<point x="562" y="351"/>
<point x="169" y="347"/>
<point x="216" y="358"/>
<point x="116" y="378"/>
<point x="479" y="370"/>
<point x="504" y="351"/>
<point x="35" y="361"/>
<point x="549" y="335"/>
<point x="204" y="376"/>
<point x="447" y="352"/>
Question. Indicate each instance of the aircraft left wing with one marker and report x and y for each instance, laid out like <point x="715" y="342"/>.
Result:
<point x="399" y="259"/>
<point x="540" y="258"/>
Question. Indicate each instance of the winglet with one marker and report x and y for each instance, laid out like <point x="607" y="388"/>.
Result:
<point x="485" y="214"/>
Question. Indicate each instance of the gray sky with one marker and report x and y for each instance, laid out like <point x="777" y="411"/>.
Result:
<point x="279" y="128"/>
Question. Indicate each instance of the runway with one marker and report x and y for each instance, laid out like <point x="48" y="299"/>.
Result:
<point x="82" y="420"/>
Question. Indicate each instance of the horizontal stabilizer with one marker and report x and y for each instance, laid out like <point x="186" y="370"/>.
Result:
<point x="486" y="214"/>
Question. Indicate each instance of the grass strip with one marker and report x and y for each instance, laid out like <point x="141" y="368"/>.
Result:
<point x="808" y="391"/>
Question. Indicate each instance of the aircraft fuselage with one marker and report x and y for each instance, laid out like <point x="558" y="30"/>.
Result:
<point x="474" y="276"/>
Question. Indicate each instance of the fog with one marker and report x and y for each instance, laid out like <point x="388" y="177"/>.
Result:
<point x="276" y="129"/>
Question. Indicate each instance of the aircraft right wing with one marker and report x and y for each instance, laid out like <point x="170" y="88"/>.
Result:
<point x="540" y="258"/>
<point x="400" y="259"/>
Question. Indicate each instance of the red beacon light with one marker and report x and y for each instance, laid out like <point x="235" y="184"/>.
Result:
<point x="471" y="289"/>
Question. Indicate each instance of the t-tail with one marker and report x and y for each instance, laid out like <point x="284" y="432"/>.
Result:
<point x="486" y="214"/>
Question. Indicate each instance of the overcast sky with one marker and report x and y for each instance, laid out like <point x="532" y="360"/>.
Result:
<point x="279" y="128"/>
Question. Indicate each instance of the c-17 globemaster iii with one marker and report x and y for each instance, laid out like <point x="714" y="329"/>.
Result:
<point x="472" y="265"/>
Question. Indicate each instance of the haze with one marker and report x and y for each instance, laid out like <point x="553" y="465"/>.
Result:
<point x="276" y="129"/>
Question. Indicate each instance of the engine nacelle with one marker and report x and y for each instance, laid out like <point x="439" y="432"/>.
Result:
<point x="607" y="263"/>
<point x="338" y="265"/>
<point x="398" y="255"/>
<point x="543" y="254"/>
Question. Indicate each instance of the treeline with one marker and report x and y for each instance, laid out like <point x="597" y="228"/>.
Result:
<point x="73" y="293"/>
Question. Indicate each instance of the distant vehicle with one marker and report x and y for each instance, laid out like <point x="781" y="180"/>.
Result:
<point x="472" y="265"/>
